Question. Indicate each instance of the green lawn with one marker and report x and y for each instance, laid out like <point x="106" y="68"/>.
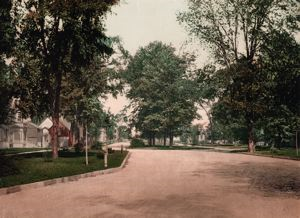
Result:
<point x="283" y="152"/>
<point x="38" y="167"/>
<point x="19" y="150"/>
<point x="231" y="146"/>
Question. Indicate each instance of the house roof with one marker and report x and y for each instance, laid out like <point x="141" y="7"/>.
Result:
<point x="47" y="123"/>
<point x="32" y="124"/>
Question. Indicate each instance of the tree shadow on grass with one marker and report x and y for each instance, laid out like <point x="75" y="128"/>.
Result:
<point x="7" y="167"/>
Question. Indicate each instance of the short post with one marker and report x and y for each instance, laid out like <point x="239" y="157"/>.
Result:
<point x="86" y="147"/>
<point x="105" y="155"/>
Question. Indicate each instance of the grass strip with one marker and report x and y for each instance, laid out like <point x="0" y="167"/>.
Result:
<point x="39" y="166"/>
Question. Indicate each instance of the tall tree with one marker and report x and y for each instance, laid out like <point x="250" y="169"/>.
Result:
<point x="206" y="90"/>
<point x="157" y="79"/>
<point x="234" y="30"/>
<point x="61" y="38"/>
<point x="283" y="69"/>
<point x="7" y="38"/>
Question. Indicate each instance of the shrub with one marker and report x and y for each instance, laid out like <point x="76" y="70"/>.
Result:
<point x="110" y="150"/>
<point x="78" y="147"/>
<point x="100" y="154"/>
<point x="97" y="146"/>
<point x="8" y="167"/>
<point x="136" y="143"/>
<point x="274" y="150"/>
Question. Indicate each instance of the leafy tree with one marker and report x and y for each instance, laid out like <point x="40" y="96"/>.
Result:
<point x="160" y="100"/>
<point x="7" y="35"/>
<point x="235" y="30"/>
<point x="91" y="115"/>
<point x="228" y="124"/>
<point x="205" y="90"/>
<point x="111" y="125"/>
<point x="62" y="39"/>
<point x="282" y="67"/>
<point x="124" y="132"/>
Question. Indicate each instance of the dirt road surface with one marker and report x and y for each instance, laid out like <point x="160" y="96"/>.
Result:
<point x="159" y="183"/>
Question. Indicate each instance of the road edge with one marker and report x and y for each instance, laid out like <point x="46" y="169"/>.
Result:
<point x="270" y="156"/>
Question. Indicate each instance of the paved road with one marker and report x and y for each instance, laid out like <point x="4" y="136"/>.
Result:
<point x="159" y="183"/>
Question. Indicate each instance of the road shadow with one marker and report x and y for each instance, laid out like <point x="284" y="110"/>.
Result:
<point x="272" y="179"/>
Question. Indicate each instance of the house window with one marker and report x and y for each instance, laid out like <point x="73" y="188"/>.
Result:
<point x="17" y="136"/>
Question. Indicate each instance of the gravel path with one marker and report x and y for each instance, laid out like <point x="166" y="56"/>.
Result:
<point x="158" y="183"/>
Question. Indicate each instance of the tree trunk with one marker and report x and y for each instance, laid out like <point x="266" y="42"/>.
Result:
<point x="209" y="116"/>
<point x="54" y="136"/>
<point x="55" y="115"/>
<point x="153" y="139"/>
<point x="150" y="141"/>
<point x="211" y="129"/>
<point x="165" y="140"/>
<point x="251" y="145"/>
<point x="171" y="139"/>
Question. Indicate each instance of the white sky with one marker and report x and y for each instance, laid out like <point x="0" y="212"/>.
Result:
<point x="139" y="22"/>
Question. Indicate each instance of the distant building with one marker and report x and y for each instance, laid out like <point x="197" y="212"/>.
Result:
<point x="20" y="135"/>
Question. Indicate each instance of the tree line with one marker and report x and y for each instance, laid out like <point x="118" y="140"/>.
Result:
<point x="57" y="60"/>
<point x="251" y="90"/>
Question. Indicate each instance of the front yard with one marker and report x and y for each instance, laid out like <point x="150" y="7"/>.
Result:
<point x="22" y="169"/>
<point x="20" y="150"/>
<point x="283" y="152"/>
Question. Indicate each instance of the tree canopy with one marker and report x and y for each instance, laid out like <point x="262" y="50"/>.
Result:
<point x="158" y="91"/>
<point x="7" y="36"/>
<point x="63" y="40"/>
<point x="235" y="32"/>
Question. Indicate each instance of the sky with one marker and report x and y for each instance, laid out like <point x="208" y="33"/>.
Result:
<point x="139" y="22"/>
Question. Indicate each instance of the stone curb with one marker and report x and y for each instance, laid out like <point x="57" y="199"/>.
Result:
<point x="18" y="188"/>
<point x="271" y="156"/>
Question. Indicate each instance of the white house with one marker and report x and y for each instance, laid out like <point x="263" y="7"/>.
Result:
<point x="64" y="136"/>
<point x="19" y="135"/>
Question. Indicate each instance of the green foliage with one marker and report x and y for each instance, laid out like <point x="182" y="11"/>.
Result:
<point x="283" y="152"/>
<point x="8" y="167"/>
<point x="282" y="68"/>
<point x="78" y="147"/>
<point x="97" y="146"/>
<point x="136" y="143"/>
<point x="158" y="83"/>
<point x="236" y="33"/>
<point x="111" y="125"/>
<point x="233" y="29"/>
<point x="124" y="132"/>
<point x="61" y="46"/>
<point x="7" y="34"/>
<point x="100" y="154"/>
<point x="110" y="150"/>
<point x="191" y="135"/>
